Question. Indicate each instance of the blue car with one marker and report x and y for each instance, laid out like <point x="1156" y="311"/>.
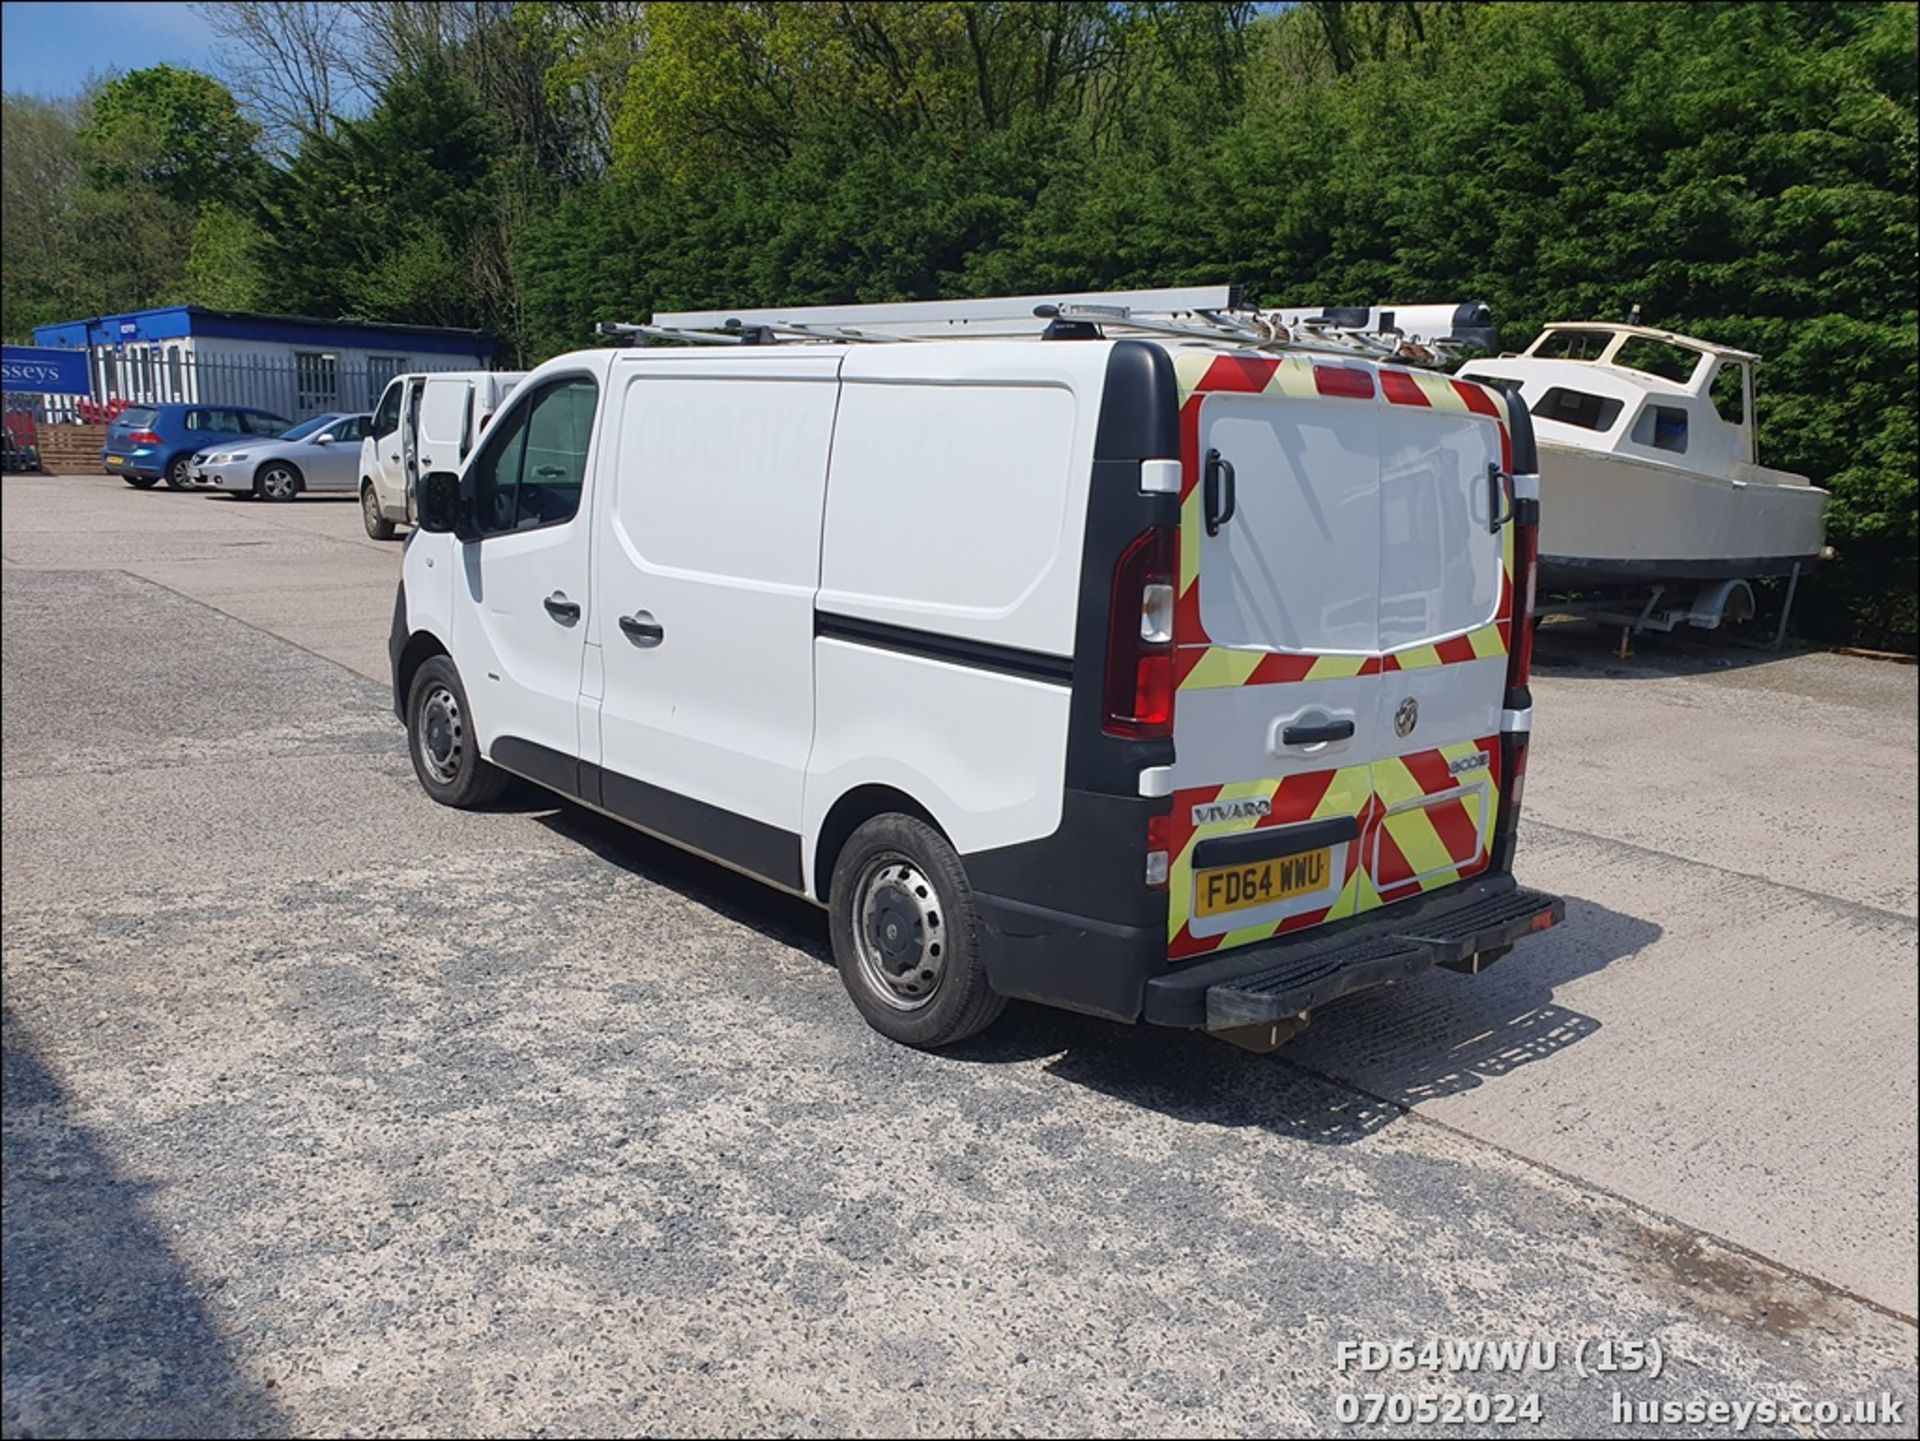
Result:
<point x="151" y="443"/>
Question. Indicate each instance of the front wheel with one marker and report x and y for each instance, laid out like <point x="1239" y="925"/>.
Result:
<point x="378" y="526"/>
<point x="441" y="740"/>
<point x="903" y="922"/>
<point x="277" y="482"/>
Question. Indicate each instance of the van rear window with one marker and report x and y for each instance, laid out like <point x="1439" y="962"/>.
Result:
<point x="1576" y="407"/>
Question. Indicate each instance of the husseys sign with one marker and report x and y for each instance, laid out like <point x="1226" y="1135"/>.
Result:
<point x="40" y="371"/>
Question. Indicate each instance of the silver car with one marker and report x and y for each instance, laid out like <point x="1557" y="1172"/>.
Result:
<point x="318" y="454"/>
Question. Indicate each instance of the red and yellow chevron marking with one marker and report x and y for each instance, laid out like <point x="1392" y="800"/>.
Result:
<point x="1200" y="665"/>
<point x="1420" y="846"/>
<point x="1317" y="795"/>
<point x="1405" y="845"/>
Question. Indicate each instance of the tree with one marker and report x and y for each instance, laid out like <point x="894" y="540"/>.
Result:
<point x="387" y="217"/>
<point x="177" y="132"/>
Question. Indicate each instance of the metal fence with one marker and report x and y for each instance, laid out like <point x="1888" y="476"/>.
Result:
<point x="298" y="387"/>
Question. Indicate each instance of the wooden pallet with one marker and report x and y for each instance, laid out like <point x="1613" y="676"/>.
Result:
<point x="72" y="449"/>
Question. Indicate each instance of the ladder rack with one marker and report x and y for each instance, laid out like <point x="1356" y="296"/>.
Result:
<point x="1216" y="314"/>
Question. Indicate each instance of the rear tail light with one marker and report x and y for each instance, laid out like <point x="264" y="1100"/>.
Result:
<point x="144" y="437"/>
<point x="1526" y="582"/>
<point x="1159" y="832"/>
<point x="1139" y="680"/>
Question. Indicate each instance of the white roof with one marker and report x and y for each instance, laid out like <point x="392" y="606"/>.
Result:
<point x="1647" y="332"/>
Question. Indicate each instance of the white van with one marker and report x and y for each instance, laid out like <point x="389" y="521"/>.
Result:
<point x="423" y="421"/>
<point x="1159" y="668"/>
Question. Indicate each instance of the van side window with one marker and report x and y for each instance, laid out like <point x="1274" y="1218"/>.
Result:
<point x="534" y="462"/>
<point x="387" y="420"/>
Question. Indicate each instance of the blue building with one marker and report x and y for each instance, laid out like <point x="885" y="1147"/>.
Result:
<point x="292" y="364"/>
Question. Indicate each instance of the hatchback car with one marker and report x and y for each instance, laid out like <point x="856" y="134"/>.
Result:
<point x="150" y="443"/>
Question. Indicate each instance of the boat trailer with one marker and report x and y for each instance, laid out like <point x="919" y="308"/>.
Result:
<point x="1663" y="608"/>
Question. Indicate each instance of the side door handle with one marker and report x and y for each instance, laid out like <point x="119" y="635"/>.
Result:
<point x="561" y="609"/>
<point x="642" y="629"/>
<point x="1219" y="494"/>
<point x="1313" y="735"/>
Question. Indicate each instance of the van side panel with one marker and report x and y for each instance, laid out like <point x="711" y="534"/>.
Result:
<point x="1067" y="918"/>
<point x="704" y="571"/>
<point x="949" y="580"/>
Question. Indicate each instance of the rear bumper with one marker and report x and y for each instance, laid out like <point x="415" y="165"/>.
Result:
<point x="1283" y="980"/>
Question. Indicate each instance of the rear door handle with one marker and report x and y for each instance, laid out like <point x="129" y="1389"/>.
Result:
<point x="642" y="629"/>
<point x="1496" y="497"/>
<point x="1313" y="735"/>
<point x="1220" y="497"/>
<point x="561" y="609"/>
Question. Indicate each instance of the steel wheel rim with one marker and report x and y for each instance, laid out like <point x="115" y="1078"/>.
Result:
<point x="899" y="933"/>
<point x="370" y="507"/>
<point x="277" y="483"/>
<point x="441" y="735"/>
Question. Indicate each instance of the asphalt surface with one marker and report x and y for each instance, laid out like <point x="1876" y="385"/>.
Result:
<point x="330" y="1110"/>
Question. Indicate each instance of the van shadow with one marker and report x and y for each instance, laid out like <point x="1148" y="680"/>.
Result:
<point x="106" y="1331"/>
<point x="1386" y="1051"/>
<point x="790" y="920"/>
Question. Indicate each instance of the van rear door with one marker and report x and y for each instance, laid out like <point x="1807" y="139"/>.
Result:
<point x="1278" y="715"/>
<point x="1339" y="661"/>
<point x="1446" y="603"/>
<point x="446" y="423"/>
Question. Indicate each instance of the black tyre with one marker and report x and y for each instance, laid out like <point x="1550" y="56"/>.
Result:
<point x="141" y="482"/>
<point x="905" y="935"/>
<point x="277" y="480"/>
<point x="440" y="738"/>
<point x="177" y="473"/>
<point x="378" y="526"/>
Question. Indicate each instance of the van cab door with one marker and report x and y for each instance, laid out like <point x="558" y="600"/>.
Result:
<point x="706" y="568"/>
<point x="522" y="607"/>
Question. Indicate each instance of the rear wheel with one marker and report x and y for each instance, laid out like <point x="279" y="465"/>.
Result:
<point x="141" y="482"/>
<point x="277" y="481"/>
<point x="176" y="473"/>
<point x="904" y="935"/>
<point x="378" y="526"/>
<point x="441" y="740"/>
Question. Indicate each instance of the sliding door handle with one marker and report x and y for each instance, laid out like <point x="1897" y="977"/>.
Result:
<point x="642" y="629"/>
<point x="561" y="609"/>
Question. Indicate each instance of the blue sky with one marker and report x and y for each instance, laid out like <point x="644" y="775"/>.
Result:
<point x="49" y="49"/>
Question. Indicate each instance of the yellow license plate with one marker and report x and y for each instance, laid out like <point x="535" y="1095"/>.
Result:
<point x="113" y="460"/>
<point x="1241" y="888"/>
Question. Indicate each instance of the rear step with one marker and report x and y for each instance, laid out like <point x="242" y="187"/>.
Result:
<point x="1279" y="983"/>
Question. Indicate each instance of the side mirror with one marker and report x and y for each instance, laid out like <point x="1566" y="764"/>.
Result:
<point x="326" y="439"/>
<point x="438" y="503"/>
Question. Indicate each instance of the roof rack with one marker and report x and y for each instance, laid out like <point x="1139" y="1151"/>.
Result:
<point x="1215" y="314"/>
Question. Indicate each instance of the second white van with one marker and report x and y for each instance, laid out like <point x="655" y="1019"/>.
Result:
<point x="423" y="421"/>
<point x="1144" y="660"/>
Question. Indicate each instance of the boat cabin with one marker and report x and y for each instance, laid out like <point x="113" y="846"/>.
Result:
<point x="1636" y="392"/>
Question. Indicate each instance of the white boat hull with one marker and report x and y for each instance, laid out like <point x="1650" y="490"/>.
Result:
<point x="1611" y="519"/>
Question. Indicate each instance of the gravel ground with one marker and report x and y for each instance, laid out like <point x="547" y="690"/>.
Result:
<point x="330" y="1111"/>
